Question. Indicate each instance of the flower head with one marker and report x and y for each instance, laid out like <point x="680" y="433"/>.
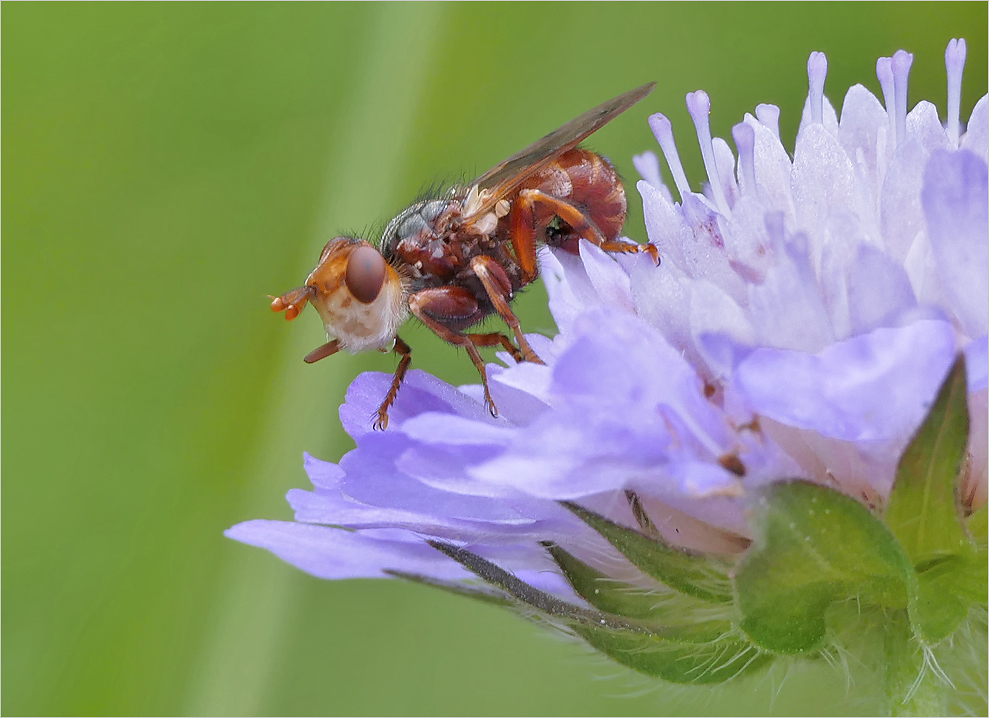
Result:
<point x="804" y="316"/>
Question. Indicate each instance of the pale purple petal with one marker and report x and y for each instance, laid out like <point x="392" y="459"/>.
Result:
<point x="333" y="553"/>
<point x="878" y="290"/>
<point x="421" y="393"/>
<point x="900" y="211"/>
<point x="722" y="331"/>
<point x="647" y="165"/>
<point x="608" y="279"/>
<point x="323" y="474"/>
<point x="804" y="325"/>
<point x="976" y="137"/>
<point x="956" y="187"/>
<point x="872" y="387"/>
<point x="977" y="364"/>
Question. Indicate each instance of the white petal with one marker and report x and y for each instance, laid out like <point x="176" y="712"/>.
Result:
<point x="724" y="158"/>
<point x="924" y="126"/>
<point x="705" y="254"/>
<point x="664" y="224"/>
<point x="772" y="169"/>
<point x="830" y="118"/>
<point x="823" y="183"/>
<point x="747" y="241"/>
<point x="862" y="119"/>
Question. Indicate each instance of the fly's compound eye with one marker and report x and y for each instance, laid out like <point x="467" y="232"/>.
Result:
<point x="365" y="274"/>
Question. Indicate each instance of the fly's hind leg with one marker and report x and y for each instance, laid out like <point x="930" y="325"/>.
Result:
<point x="494" y="339"/>
<point x="458" y="306"/>
<point x="405" y="352"/>
<point x="534" y="207"/>
<point x="499" y="289"/>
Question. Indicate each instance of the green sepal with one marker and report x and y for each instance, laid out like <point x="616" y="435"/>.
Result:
<point x="690" y="573"/>
<point x="814" y="546"/>
<point x="623" y="599"/>
<point x="696" y="652"/>
<point x="924" y="514"/>
<point x="923" y="511"/>
<point x="714" y="661"/>
<point x="943" y="596"/>
<point x="976" y="585"/>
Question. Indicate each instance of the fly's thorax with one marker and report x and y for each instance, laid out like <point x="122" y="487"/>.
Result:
<point x="426" y="240"/>
<point x="428" y="217"/>
<point x="359" y="296"/>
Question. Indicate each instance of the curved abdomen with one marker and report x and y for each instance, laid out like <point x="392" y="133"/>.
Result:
<point x="589" y="182"/>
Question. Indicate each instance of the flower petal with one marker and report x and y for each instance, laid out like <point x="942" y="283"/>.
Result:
<point x="976" y="137"/>
<point x="334" y="553"/>
<point x="868" y="388"/>
<point x="956" y="187"/>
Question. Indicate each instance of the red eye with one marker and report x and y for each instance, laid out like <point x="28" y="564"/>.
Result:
<point x="365" y="274"/>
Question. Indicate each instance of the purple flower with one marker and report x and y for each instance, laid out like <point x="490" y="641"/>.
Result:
<point x="805" y="313"/>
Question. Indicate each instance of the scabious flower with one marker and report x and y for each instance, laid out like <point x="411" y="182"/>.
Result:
<point x="723" y="453"/>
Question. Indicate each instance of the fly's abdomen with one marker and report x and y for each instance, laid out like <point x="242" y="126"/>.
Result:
<point x="590" y="183"/>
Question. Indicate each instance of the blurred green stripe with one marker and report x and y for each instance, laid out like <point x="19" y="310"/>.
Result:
<point x="255" y="598"/>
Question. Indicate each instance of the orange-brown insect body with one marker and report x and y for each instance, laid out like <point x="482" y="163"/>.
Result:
<point x="453" y="260"/>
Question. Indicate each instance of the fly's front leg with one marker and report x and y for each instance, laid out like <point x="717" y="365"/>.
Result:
<point x="534" y="207"/>
<point x="455" y="305"/>
<point x="499" y="289"/>
<point x="405" y="352"/>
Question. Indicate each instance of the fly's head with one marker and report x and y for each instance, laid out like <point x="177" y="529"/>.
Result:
<point x="359" y="296"/>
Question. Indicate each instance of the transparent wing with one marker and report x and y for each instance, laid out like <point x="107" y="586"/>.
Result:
<point x="502" y="179"/>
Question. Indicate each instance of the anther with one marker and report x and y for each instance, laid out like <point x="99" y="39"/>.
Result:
<point x="699" y="107"/>
<point x="884" y="71"/>
<point x="744" y="137"/>
<point x="769" y="115"/>
<point x="662" y="129"/>
<point x="902" y="61"/>
<point x="954" y="63"/>
<point x="817" y="71"/>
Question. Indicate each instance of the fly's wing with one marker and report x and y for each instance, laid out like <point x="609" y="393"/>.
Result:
<point x="502" y="179"/>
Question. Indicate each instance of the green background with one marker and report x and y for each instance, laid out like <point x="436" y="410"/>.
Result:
<point x="167" y="166"/>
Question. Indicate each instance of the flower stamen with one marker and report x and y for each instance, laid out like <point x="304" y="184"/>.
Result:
<point x="699" y="107"/>
<point x="769" y="115"/>
<point x="954" y="62"/>
<point x="902" y="60"/>
<point x="662" y="129"/>
<point x="884" y="71"/>
<point x="817" y="71"/>
<point x="744" y="137"/>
